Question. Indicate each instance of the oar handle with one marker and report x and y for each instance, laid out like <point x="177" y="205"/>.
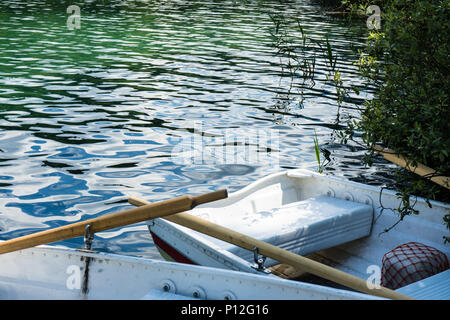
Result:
<point x="111" y="221"/>
<point x="209" y="197"/>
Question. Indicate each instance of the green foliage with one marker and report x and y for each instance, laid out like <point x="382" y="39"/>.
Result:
<point x="407" y="61"/>
<point x="410" y="112"/>
<point x="360" y="6"/>
<point x="355" y="7"/>
<point x="297" y="58"/>
<point x="317" y="150"/>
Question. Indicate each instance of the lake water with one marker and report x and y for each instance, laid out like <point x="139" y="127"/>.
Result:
<point x="158" y="99"/>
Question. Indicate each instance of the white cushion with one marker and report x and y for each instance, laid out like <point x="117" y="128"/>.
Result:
<point x="305" y="226"/>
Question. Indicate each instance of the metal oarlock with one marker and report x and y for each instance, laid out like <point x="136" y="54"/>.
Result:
<point x="259" y="262"/>
<point x="88" y="237"/>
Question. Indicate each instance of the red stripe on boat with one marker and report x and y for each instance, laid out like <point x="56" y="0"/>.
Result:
<point x="170" y="251"/>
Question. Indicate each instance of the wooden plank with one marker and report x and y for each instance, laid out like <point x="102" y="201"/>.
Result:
<point x="420" y="169"/>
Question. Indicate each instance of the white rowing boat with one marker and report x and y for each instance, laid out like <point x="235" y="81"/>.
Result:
<point x="331" y="220"/>
<point x="52" y="273"/>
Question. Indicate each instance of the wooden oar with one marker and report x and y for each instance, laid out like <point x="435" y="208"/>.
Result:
<point x="111" y="221"/>
<point x="420" y="169"/>
<point x="276" y="253"/>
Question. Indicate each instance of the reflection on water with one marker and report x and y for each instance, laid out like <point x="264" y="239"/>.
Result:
<point x="91" y="116"/>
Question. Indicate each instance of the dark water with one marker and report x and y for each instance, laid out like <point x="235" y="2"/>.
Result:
<point x="93" y="115"/>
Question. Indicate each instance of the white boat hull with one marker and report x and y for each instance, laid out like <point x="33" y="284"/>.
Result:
<point x="47" y="272"/>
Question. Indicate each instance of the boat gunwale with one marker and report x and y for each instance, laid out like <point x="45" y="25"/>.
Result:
<point x="170" y="267"/>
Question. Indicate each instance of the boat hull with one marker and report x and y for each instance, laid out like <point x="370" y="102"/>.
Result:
<point x="48" y="273"/>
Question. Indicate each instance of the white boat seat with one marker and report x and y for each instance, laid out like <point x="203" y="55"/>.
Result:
<point x="436" y="287"/>
<point x="306" y="226"/>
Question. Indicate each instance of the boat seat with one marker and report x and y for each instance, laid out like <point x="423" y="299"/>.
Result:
<point x="436" y="287"/>
<point x="306" y="226"/>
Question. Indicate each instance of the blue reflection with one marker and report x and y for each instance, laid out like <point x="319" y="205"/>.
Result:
<point x="63" y="207"/>
<point x="76" y="153"/>
<point x="6" y="193"/>
<point x="134" y="141"/>
<point x="34" y="149"/>
<point x="66" y="185"/>
<point x="122" y="174"/>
